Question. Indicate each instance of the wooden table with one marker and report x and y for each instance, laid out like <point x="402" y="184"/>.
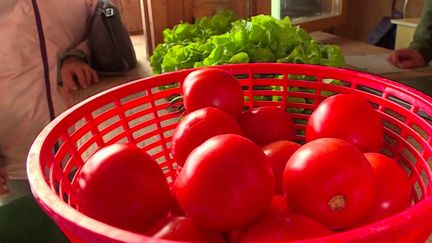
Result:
<point x="142" y="69"/>
<point x="417" y="78"/>
<point x="352" y="47"/>
<point x="349" y="48"/>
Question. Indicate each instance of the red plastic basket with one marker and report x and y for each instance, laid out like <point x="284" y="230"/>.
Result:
<point x="137" y="112"/>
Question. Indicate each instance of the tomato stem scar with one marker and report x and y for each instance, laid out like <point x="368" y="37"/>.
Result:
<point x="337" y="202"/>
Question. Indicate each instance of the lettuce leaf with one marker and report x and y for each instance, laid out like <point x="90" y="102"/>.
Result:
<point x="223" y="38"/>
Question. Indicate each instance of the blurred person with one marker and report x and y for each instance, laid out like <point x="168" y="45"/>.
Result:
<point x="419" y="52"/>
<point x="27" y="103"/>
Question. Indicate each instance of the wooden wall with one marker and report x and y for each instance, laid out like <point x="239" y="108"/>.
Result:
<point x="414" y="8"/>
<point x="131" y="14"/>
<point x="363" y="15"/>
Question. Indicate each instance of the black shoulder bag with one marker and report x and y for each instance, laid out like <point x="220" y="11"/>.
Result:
<point x="111" y="49"/>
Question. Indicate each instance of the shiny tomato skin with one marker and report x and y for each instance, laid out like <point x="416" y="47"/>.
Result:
<point x="121" y="185"/>
<point x="347" y="117"/>
<point x="394" y="189"/>
<point x="226" y="183"/>
<point x="198" y="126"/>
<point x="212" y="87"/>
<point x="276" y="228"/>
<point x="279" y="152"/>
<point x="267" y="124"/>
<point x="330" y="180"/>
<point x="186" y="230"/>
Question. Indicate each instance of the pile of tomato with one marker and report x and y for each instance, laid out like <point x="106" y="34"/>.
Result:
<point x="242" y="178"/>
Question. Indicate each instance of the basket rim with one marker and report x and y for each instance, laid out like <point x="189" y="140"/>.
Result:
<point x="50" y="202"/>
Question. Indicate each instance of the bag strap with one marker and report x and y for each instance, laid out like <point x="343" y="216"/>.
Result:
<point x="100" y="5"/>
<point x="108" y="11"/>
<point x="104" y="2"/>
<point x="44" y="57"/>
<point x="113" y="38"/>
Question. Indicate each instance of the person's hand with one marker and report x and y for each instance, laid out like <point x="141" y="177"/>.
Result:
<point x="76" y="72"/>
<point x="3" y="180"/>
<point x="406" y="58"/>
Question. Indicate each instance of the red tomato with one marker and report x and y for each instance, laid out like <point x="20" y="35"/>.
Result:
<point x="175" y="209"/>
<point x="121" y="185"/>
<point x="330" y="180"/>
<point x="267" y="124"/>
<point x="279" y="152"/>
<point x="213" y="87"/>
<point x="184" y="229"/>
<point x="198" y="126"/>
<point x="393" y="187"/>
<point x="226" y="183"/>
<point x="279" y="206"/>
<point x="275" y="228"/>
<point x="177" y="170"/>
<point x="349" y="118"/>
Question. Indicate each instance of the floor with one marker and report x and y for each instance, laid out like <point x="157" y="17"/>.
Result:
<point x="139" y="43"/>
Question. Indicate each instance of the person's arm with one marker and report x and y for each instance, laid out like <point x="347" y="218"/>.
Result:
<point x="419" y="52"/>
<point x="74" y="69"/>
<point x="422" y="41"/>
